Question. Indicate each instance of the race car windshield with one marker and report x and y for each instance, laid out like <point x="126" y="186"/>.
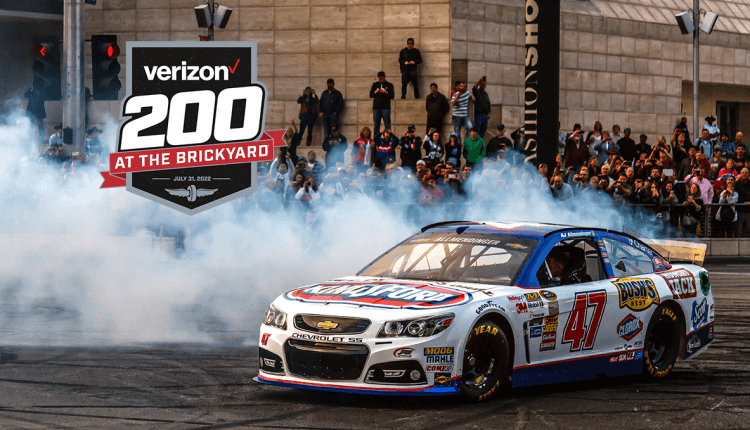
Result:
<point x="450" y="257"/>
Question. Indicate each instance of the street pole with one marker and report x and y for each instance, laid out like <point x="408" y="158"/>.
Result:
<point x="211" y="24"/>
<point x="696" y="61"/>
<point x="73" y="106"/>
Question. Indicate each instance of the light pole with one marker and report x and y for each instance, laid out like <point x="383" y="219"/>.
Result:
<point x="208" y="18"/>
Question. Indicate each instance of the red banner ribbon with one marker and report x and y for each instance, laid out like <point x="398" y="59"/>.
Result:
<point x="194" y="156"/>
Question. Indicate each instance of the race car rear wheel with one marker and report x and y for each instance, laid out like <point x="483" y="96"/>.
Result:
<point x="486" y="359"/>
<point x="662" y="343"/>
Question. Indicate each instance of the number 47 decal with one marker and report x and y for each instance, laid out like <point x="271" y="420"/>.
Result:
<point x="576" y="332"/>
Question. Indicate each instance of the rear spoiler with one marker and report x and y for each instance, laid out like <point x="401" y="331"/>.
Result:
<point x="676" y="251"/>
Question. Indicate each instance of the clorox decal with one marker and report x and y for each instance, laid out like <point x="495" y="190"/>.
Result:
<point x="382" y="294"/>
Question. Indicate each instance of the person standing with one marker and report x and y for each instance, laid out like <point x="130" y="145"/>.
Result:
<point x="408" y="59"/>
<point x="482" y="107"/>
<point x="308" y="102"/>
<point x="381" y="93"/>
<point x="498" y="143"/>
<point x="411" y="149"/>
<point x="335" y="146"/>
<point x="437" y="106"/>
<point x="460" y="103"/>
<point x="713" y="130"/>
<point x="55" y="139"/>
<point x="331" y="105"/>
<point x="474" y="148"/>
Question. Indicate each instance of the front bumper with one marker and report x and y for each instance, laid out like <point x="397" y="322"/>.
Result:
<point x="360" y="388"/>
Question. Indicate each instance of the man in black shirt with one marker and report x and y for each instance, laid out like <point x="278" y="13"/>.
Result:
<point x="482" y="106"/>
<point x="381" y="93"/>
<point x="331" y="104"/>
<point x="411" y="149"/>
<point x="408" y="59"/>
<point x="498" y="143"/>
<point x="643" y="147"/>
<point x="627" y="146"/>
<point x="683" y="127"/>
<point x="437" y="106"/>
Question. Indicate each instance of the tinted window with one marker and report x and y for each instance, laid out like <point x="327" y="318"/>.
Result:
<point x="580" y="261"/>
<point x="627" y="260"/>
<point x="467" y="257"/>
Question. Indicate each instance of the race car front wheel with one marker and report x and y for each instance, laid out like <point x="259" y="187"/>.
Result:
<point x="662" y="343"/>
<point x="486" y="359"/>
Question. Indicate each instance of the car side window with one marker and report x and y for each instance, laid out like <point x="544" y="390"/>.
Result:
<point x="627" y="260"/>
<point x="571" y="261"/>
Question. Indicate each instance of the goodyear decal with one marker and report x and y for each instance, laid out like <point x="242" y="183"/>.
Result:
<point x="382" y="294"/>
<point x="637" y="294"/>
<point x="629" y="327"/>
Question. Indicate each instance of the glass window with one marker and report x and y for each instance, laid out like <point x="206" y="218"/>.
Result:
<point x="467" y="257"/>
<point x="627" y="260"/>
<point x="571" y="261"/>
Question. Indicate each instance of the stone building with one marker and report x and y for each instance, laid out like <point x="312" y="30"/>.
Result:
<point x="621" y="63"/>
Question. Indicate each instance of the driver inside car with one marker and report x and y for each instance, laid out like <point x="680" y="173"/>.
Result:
<point x="556" y="261"/>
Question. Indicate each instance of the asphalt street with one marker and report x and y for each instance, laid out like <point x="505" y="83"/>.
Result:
<point x="196" y="386"/>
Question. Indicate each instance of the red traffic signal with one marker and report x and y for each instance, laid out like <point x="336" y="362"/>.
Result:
<point x="113" y="51"/>
<point x="40" y="49"/>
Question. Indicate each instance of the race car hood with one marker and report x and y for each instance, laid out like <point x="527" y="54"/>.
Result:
<point x="388" y="293"/>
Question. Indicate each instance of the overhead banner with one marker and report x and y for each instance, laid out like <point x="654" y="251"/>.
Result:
<point x="542" y="81"/>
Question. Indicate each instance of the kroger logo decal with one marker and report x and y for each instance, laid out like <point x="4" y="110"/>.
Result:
<point x="700" y="313"/>
<point x="629" y="327"/>
<point x="382" y="294"/>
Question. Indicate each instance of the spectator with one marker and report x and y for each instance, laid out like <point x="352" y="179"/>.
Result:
<point x="713" y="130"/>
<point x="688" y="164"/>
<point x="308" y="102"/>
<point x="335" y="146"/>
<point x="561" y="190"/>
<point x="437" y="106"/>
<point x="605" y="144"/>
<point x="682" y="127"/>
<point x="616" y="134"/>
<point x="474" y="148"/>
<point x="453" y="151"/>
<point x="604" y="173"/>
<point x="727" y="214"/>
<point x="594" y="138"/>
<point x="576" y="153"/>
<point x="743" y="190"/>
<point x="94" y="145"/>
<point x="408" y="59"/>
<point x="738" y="140"/>
<point x="727" y="148"/>
<point x="316" y="168"/>
<point x="740" y="154"/>
<point x="381" y="93"/>
<point x="430" y="193"/>
<point x="301" y="169"/>
<point x="482" y="107"/>
<point x="694" y="205"/>
<point x="308" y="192"/>
<point x="411" y="149"/>
<point x="716" y="163"/>
<point x="561" y="137"/>
<point x="728" y="170"/>
<point x="643" y="147"/>
<point x="519" y="139"/>
<point x="679" y="151"/>
<point x="620" y="189"/>
<point x="704" y="143"/>
<point x="362" y="150"/>
<point x="385" y="148"/>
<point x="55" y="139"/>
<point x="460" y="103"/>
<point x="627" y="146"/>
<point x="498" y="143"/>
<point x="433" y="149"/>
<point x="282" y="172"/>
<point x="593" y="166"/>
<point x="706" y="190"/>
<point x="331" y="104"/>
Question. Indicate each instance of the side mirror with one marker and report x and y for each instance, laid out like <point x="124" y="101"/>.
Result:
<point x="620" y="266"/>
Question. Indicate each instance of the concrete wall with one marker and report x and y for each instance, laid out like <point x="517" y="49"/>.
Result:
<point x="303" y="43"/>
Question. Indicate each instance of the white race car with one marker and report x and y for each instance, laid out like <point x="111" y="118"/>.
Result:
<point x="462" y="306"/>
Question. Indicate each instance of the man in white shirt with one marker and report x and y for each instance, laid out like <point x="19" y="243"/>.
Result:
<point x="713" y="130"/>
<point x="56" y="140"/>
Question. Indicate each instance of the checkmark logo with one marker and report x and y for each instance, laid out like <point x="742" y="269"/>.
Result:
<point x="235" y="66"/>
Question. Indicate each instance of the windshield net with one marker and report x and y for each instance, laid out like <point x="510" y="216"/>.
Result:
<point x="466" y="257"/>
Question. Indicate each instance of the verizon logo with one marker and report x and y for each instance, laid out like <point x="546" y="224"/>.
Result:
<point x="190" y="73"/>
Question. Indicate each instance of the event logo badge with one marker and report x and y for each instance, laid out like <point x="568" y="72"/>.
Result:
<point x="191" y="127"/>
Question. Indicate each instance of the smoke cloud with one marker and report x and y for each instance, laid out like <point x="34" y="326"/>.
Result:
<point x="81" y="265"/>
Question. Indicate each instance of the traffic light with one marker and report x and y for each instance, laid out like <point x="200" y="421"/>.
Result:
<point x="105" y="67"/>
<point x="47" y="76"/>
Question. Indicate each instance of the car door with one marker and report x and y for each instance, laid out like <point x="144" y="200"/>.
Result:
<point x="575" y="312"/>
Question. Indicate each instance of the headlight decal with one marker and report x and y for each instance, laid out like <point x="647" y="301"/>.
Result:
<point x="418" y="327"/>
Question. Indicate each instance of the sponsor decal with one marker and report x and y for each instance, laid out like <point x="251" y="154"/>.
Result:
<point x="629" y="327"/>
<point x="440" y="350"/>
<point x="692" y="344"/>
<point x="514" y="299"/>
<point x="191" y="124"/>
<point x="488" y="305"/>
<point x="522" y="308"/>
<point x="549" y="295"/>
<point x="576" y="234"/>
<point x="604" y="254"/>
<point x="530" y="297"/>
<point x="547" y="346"/>
<point x="382" y="294"/>
<point x="660" y="264"/>
<point x="535" y="331"/>
<point x="339" y="339"/>
<point x="442" y="379"/>
<point x="439" y="359"/>
<point x="485" y="329"/>
<point x="536" y="321"/>
<point x="515" y="246"/>
<point x="536" y="314"/>
<point x="439" y="368"/>
<point x="327" y="325"/>
<point x="403" y="353"/>
<point x="705" y="283"/>
<point x="264" y="339"/>
<point x="553" y="308"/>
<point x="640" y="246"/>
<point x="681" y="282"/>
<point x="576" y="332"/>
<point x="549" y="337"/>
<point x="628" y="356"/>
<point x="536" y="305"/>
<point x="711" y="332"/>
<point x="550" y="324"/>
<point x="700" y="313"/>
<point x="637" y="294"/>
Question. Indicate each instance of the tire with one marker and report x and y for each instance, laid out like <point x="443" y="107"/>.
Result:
<point x="662" y="343"/>
<point x="486" y="358"/>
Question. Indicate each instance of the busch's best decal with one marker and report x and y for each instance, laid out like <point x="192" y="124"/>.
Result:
<point x="637" y="294"/>
<point x="382" y="294"/>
